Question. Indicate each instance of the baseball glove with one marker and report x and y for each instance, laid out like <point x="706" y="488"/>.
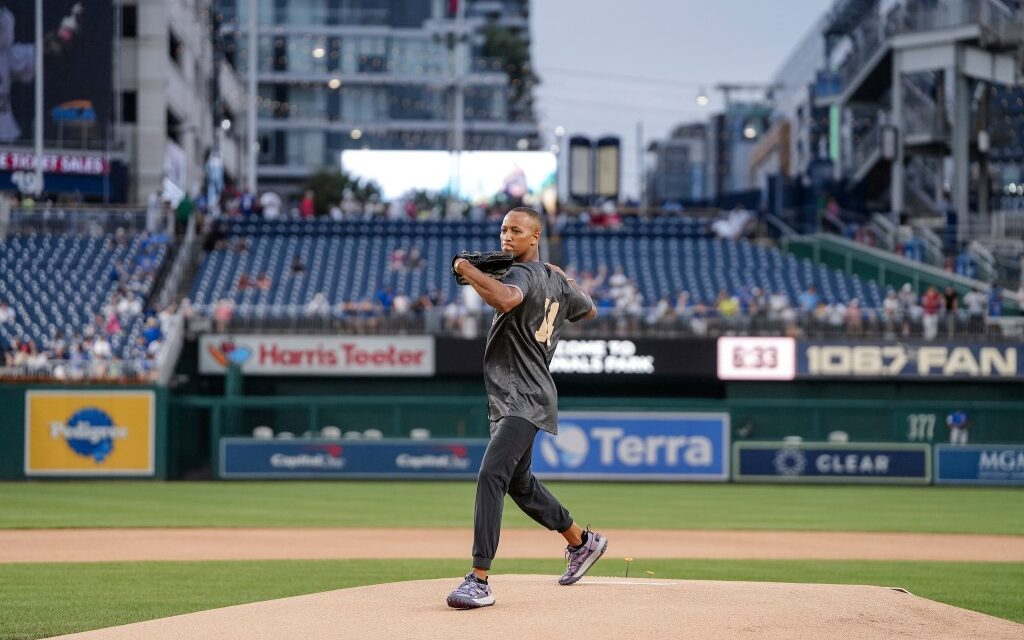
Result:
<point x="493" y="263"/>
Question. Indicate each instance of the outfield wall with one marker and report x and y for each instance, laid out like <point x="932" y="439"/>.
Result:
<point x="177" y="434"/>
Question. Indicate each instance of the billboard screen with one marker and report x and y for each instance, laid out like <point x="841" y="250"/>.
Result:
<point x="909" y="360"/>
<point x="78" y="95"/>
<point x="484" y="176"/>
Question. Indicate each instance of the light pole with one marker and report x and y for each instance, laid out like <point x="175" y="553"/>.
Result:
<point x="39" y="98"/>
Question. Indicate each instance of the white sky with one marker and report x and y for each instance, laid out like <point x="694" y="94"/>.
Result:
<point x="606" y="65"/>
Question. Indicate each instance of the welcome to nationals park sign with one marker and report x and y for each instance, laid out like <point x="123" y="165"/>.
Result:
<point x="276" y="355"/>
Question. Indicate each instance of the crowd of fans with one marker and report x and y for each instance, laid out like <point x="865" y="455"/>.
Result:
<point x="92" y="351"/>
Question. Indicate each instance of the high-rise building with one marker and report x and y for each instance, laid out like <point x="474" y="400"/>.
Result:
<point x="382" y="74"/>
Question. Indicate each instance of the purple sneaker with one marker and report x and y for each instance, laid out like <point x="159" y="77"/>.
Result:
<point x="580" y="560"/>
<point x="471" y="594"/>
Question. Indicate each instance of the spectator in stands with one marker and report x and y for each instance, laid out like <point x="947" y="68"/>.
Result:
<point x="975" y="301"/>
<point x="270" y="204"/>
<point x="7" y="314"/>
<point x="910" y="310"/>
<point x="950" y="308"/>
<point x="995" y="302"/>
<point x="397" y="260"/>
<point x="661" y="312"/>
<point x="182" y="213"/>
<point x="808" y="301"/>
<point x="385" y="298"/>
<point x="298" y="266"/>
<point x="118" y="273"/>
<point x="732" y="226"/>
<point x="931" y="304"/>
<point x="245" y="282"/>
<point x="247" y="204"/>
<point x="401" y="306"/>
<point x="318" y="306"/>
<point x="778" y="307"/>
<point x="222" y="312"/>
<point x="891" y="314"/>
<point x="152" y="331"/>
<point x="263" y="282"/>
<point x="241" y="245"/>
<point x="217" y="237"/>
<point x="683" y="307"/>
<point x="854" y="317"/>
<point x="415" y="261"/>
<point x="757" y="305"/>
<point x="617" y="283"/>
<point x="307" y="206"/>
<point x="335" y="213"/>
<point x="728" y="307"/>
<point x="100" y="348"/>
<point x="113" y="324"/>
<point x="129" y="306"/>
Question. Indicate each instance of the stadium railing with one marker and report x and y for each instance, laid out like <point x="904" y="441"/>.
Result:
<point x="874" y="325"/>
<point x="72" y="219"/>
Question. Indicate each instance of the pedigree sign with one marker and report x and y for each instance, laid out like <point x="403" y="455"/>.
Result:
<point x="270" y="355"/>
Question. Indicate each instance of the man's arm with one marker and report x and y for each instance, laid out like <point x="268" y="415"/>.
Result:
<point x="575" y="285"/>
<point x="494" y="292"/>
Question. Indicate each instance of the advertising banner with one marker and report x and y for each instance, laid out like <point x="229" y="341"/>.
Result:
<point x="979" y="464"/>
<point x="615" y="359"/>
<point x="756" y="358"/>
<point x="483" y="176"/>
<point x="277" y="355"/>
<point x="907" y="360"/>
<point x="831" y="462"/>
<point x="407" y="459"/>
<point x="635" y="446"/>
<point x="78" y="95"/>
<point x="89" y="433"/>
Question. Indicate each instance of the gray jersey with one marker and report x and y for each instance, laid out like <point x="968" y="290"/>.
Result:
<point x="521" y="343"/>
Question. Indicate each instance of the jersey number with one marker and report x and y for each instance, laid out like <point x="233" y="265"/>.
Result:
<point x="547" y="326"/>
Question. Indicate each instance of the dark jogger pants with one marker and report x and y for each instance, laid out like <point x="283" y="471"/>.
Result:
<point x="506" y="469"/>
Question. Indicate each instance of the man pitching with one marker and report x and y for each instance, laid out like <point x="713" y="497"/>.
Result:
<point x="532" y="300"/>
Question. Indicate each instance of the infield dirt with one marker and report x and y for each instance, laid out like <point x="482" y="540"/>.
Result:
<point x="531" y="607"/>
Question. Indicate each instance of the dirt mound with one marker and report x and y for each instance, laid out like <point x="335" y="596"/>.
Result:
<point x="595" y="608"/>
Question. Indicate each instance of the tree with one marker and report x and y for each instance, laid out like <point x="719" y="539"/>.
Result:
<point x="329" y="184"/>
<point x="514" y="51"/>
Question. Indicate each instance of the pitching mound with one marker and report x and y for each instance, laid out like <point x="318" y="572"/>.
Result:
<point x="594" y="608"/>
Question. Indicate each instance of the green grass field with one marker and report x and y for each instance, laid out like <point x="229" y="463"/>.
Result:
<point x="39" y="600"/>
<point x="450" y="504"/>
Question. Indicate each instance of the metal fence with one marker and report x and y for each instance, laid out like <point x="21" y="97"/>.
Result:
<point x="125" y="371"/>
<point x="873" y="324"/>
<point x="59" y="219"/>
